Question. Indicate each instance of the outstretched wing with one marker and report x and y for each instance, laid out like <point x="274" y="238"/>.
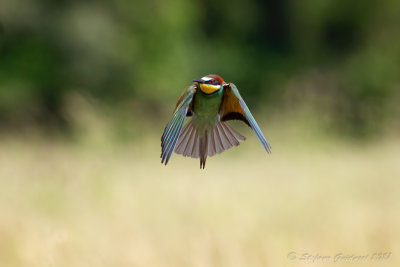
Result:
<point x="174" y="127"/>
<point x="233" y="107"/>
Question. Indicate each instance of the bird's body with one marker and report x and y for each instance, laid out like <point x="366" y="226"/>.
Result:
<point x="210" y="101"/>
<point x="206" y="111"/>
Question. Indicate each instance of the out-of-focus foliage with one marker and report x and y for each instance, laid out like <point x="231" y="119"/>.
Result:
<point x="142" y="53"/>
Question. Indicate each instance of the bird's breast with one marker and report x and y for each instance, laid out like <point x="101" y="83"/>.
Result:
<point x="206" y="110"/>
<point x="207" y="105"/>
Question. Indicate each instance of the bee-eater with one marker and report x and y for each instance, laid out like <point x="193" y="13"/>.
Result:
<point x="210" y="102"/>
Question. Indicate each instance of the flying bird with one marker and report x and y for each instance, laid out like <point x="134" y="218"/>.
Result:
<point x="210" y="101"/>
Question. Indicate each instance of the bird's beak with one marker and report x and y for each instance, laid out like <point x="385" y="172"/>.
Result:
<point x="198" y="80"/>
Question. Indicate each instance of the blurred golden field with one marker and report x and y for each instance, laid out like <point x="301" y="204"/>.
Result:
<point x="68" y="203"/>
<point x="87" y="87"/>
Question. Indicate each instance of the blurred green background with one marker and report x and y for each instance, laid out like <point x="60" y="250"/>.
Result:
<point x="86" y="88"/>
<point x="342" y="56"/>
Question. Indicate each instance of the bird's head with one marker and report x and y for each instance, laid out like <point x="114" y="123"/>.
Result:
<point x="210" y="84"/>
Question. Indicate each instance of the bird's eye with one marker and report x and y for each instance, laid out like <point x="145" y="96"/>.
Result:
<point x="213" y="82"/>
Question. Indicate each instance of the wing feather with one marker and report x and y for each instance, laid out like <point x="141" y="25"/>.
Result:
<point x="233" y="107"/>
<point x="173" y="129"/>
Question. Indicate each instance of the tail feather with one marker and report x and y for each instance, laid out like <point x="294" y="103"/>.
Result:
<point x="211" y="144"/>
<point x="203" y="150"/>
<point x="232" y="141"/>
<point x="218" y="142"/>
<point x="196" y="146"/>
<point x="187" y="150"/>
<point x="220" y="138"/>
<point x="234" y="134"/>
<point x="185" y="140"/>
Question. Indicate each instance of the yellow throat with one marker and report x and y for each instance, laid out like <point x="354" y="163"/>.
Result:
<point x="209" y="88"/>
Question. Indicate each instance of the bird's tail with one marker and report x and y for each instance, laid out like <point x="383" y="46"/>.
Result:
<point x="220" y="138"/>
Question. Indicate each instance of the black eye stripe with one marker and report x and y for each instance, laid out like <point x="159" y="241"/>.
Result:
<point x="214" y="82"/>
